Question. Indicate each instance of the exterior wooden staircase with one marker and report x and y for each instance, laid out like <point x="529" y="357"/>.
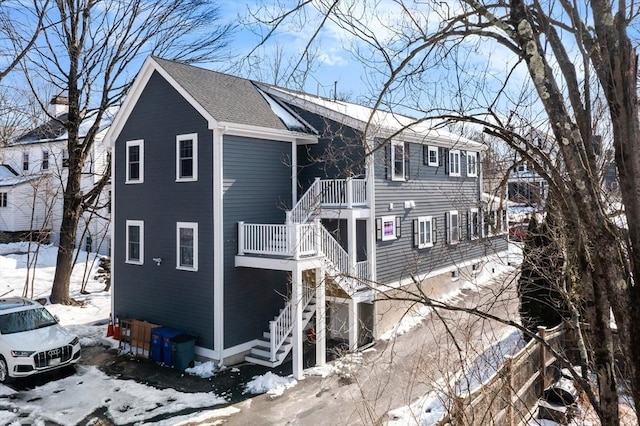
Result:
<point x="303" y="236"/>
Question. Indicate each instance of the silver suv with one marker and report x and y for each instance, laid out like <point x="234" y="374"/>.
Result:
<point x="32" y="341"/>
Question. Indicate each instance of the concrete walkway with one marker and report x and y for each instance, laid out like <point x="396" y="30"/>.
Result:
<point x="363" y="388"/>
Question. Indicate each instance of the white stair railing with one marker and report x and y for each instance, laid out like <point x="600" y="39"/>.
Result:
<point x="354" y="279"/>
<point x="295" y="239"/>
<point x="307" y="205"/>
<point x="281" y="327"/>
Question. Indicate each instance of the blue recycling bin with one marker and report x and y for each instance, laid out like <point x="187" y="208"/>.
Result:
<point x="156" y="344"/>
<point x="167" y="350"/>
<point x="183" y="348"/>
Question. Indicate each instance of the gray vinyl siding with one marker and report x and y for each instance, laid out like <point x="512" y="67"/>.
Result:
<point x="434" y="193"/>
<point x="162" y="294"/>
<point x="257" y="189"/>
<point x="339" y="152"/>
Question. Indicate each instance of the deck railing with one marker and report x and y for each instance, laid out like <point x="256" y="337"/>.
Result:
<point x="293" y="240"/>
<point x="329" y="193"/>
<point x="302" y="240"/>
<point x="281" y="327"/>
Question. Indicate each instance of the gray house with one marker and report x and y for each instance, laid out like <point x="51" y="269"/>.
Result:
<point x="257" y="218"/>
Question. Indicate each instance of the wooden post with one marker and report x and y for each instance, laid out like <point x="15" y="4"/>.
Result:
<point x="542" y="333"/>
<point x="509" y="391"/>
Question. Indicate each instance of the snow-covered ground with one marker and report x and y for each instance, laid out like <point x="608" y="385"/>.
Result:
<point x="73" y="399"/>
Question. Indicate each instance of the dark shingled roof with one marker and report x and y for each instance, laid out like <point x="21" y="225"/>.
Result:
<point x="227" y="98"/>
<point x="52" y="129"/>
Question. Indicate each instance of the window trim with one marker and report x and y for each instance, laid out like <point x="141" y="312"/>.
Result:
<point x="139" y="143"/>
<point x="4" y="199"/>
<point x="450" y="239"/>
<point x="400" y="176"/>
<point x="194" y="227"/>
<point x="45" y="160"/>
<point x="478" y="228"/>
<point x="474" y="156"/>
<point x="380" y="231"/>
<point x="194" y="159"/>
<point x="434" y="149"/>
<point x="454" y="153"/>
<point x="419" y="233"/>
<point x="139" y="224"/>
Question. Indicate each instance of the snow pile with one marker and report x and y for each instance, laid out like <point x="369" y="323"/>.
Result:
<point x="203" y="370"/>
<point x="270" y="383"/>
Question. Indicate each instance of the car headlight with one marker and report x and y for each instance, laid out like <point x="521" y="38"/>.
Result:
<point x="74" y="341"/>
<point x="19" y="354"/>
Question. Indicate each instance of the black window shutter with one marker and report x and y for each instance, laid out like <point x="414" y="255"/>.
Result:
<point x="398" y="227"/>
<point x="407" y="161"/>
<point x="425" y="154"/>
<point x="387" y="160"/>
<point x="469" y="226"/>
<point x="434" y="229"/>
<point x="378" y="229"/>
<point x="416" y="233"/>
<point x="446" y="228"/>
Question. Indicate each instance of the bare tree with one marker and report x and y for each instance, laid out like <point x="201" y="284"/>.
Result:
<point x="87" y="50"/>
<point x="491" y="55"/>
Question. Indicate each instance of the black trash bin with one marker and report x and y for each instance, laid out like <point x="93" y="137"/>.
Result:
<point x="183" y="347"/>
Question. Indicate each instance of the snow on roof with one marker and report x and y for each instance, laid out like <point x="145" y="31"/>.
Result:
<point x="6" y="172"/>
<point x="291" y="120"/>
<point x="380" y="121"/>
<point x="17" y="180"/>
<point x="54" y="131"/>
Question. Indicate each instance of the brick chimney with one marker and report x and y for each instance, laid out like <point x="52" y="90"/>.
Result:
<point x="59" y="105"/>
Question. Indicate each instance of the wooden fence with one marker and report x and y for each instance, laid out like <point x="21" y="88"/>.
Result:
<point x="509" y="395"/>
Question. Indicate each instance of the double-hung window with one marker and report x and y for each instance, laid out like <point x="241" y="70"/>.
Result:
<point x="453" y="227"/>
<point x="3" y="199"/>
<point x="432" y="156"/>
<point x="187" y="157"/>
<point x="454" y="162"/>
<point x="135" y="242"/>
<point x="25" y="161"/>
<point x="472" y="164"/>
<point x="424" y="233"/>
<point x="45" y="160"/>
<point x="474" y="224"/>
<point x="187" y="246"/>
<point x="397" y="160"/>
<point x="135" y="161"/>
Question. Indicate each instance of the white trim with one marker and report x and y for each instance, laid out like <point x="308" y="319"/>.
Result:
<point x="450" y="239"/>
<point x="392" y="166"/>
<point x="391" y="219"/>
<point x="194" y="227"/>
<point x="429" y="220"/>
<point x="431" y="149"/>
<point x="139" y="224"/>
<point x="140" y="144"/>
<point x="194" y="159"/>
<point x="472" y="156"/>
<point x="218" y="242"/>
<point x="148" y="68"/>
<point x="454" y="153"/>
<point x="472" y="235"/>
<point x="267" y="133"/>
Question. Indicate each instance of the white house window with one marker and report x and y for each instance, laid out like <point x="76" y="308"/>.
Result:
<point x="432" y="156"/>
<point x="135" y="162"/>
<point x="474" y="224"/>
<point x="453" y="227"/>
<point x="25" y="161"/>
<point x="187" y="157"/>
<point x="472" y="164"/>
<point x="397" y="160"/>
<point x="3" y="199"/>
<point x="424" y="232"/>
<point x="65" y="158"/>
<point x="387" y="228"/>
<point x="187" y="246"/>
<point x="454" y="162"/>
<point x="135" y="242"/>
<point x="45" y="160"/>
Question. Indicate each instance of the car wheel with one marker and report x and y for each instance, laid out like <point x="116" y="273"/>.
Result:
<point x="4" y="371"/>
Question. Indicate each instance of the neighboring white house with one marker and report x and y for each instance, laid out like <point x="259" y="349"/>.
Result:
<point x="33" y="174"/>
